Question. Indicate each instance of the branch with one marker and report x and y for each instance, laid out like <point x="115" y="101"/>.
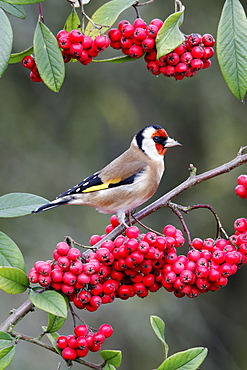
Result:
<point x="16" y="315"/>
<point x="192" y="180"/>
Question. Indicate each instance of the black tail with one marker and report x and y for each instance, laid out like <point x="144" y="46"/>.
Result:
<point x="53" y="204"/>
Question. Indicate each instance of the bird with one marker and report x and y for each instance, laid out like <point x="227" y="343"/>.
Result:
<point x="126" y="182"/>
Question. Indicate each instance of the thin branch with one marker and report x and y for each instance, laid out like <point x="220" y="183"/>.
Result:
<point x="176" y="209"/>
<point x="41" y="15"/>
<point x="16" y="315"/>
<point x="52" y="349"/>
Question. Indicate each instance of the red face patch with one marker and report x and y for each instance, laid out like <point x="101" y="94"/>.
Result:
<point x="160" y="132"/>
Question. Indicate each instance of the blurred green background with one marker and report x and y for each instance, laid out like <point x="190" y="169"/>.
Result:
<point x="49" y="142"/>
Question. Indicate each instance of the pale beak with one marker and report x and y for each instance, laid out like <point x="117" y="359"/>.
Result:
<point x="171" y="142"/>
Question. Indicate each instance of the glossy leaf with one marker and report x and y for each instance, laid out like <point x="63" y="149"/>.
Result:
<point x="54" y="323"/>
<point x="170" y="36"/>
<point x="17" y="57"/>
<point x="5" y="339"/>
<point x="231" y="47"/>
<point x="6" y="356"/>
<point x="49" y="301"/>
<point x="109" y="367"/>
<point x="190" y="359"/>
<point x="19" y="204"/>
<point x="72" y="22"/>
<point x="48" y="57"/>
<point x="6" y="41"/>
<point x="112" y="357"/>
<point x="158" y="326"/>
<point x="15" y="10"/>
<point x="13" y="280"/>
<point x="23" y="2"/>
<point x="10" y="254"/>
<point x="106" y="15"/>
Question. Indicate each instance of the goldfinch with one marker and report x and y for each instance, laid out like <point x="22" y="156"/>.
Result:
<point x="126" y="182"/>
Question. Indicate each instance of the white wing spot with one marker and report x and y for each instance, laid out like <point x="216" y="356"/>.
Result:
<point x="86" y="183"/>
<point x="77" y="190"/>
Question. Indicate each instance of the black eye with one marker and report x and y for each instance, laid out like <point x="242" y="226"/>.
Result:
<point x="158" y="139"/>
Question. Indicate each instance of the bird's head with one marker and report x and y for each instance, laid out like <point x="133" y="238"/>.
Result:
<point x="153" y="140"/>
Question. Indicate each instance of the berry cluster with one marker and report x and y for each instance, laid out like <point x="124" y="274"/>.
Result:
<point x="82" y="341"/>
<point x="207" y="266"/>
<point x="135" y="40"/>
<point x="76" y="45"/>
<point x="29" y="63"/>
<point x="241" y="188"/>
<point x="139" y="39"/>
<point x="136" y="264"/>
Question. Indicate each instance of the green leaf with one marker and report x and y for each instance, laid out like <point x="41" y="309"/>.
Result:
<point x="109" y="367"/>
<point x="6" y="356"/>
<point x="73" y="22"/>
<point x="49" y="301"/>
<point x="10" y="254"/>
<point x="54" y="323"/>
<point x="231" y="47"/>
<point x="122" y="59"/>
<point x="48" y="57"/>
<point x="170" y="36"/>
<point x="6" y="41"/>
<point x="5" y="339"/>
<point x="13" y="280"/>
<point x="15" y="10"/>
<point x="23" y="2"/>
<point x="17" y="57"/>
<point x="112" y="357"/>
<point x="158" y="326"/>
<point x="53" y="339"/>
<point x="190" y="359"/>
<point x="106" y="15"/>
<point x="19" y="204"/>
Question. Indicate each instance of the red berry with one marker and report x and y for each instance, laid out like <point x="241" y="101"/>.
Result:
<point x="242" y="180"/>
<point x="132" y="232"/>
<point x="35" y="77"/>
<point x="135" y="51"/>
<point x="62" y="342"/>
<point x="152" y="30"/>
<point x="148" y="44"/>
<point x="181" y="68"/>
<point x="62" y="248"/>
<point x="139" y="23"/>
<point x="157" y="22"/>
<point x="114" y="34"/>
<point x="196" y="64"/>
<point x="76" y="36"/>
<point x="106" y="330"/>
<point x="69" y="353"/>
<point x="208" y="52"/>
<point x="87" y="42"/>
<point x="121" y="24"/>
<point x="62" y="33"/>
<point x="28" y="62"/>
<point x="180" y="49"/>
<point x="208" y="40"/>
<point x="81" y="330"/>
<point x="194" y="39"/>
<point x="128" y="30"/>
<point x="64" y="42"/>
<point x="74" y="254"/>
<point x="241" y="191"/>
<point x="197" y="52"/>
<point x="172" y="59"/>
